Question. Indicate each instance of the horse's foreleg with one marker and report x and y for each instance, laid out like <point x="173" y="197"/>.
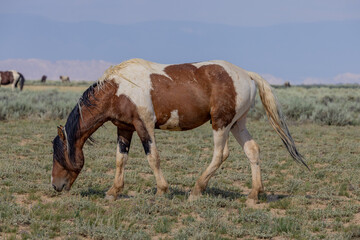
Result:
<point x="221" y="152"/>
<point x="252" y="151"/>
<point x="147" y="137"/>
<point x="122" y="150"/>
<point x="154" y="162"/>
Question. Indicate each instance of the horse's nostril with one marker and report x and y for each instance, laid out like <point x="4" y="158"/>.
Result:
<point x="54" y="187"/>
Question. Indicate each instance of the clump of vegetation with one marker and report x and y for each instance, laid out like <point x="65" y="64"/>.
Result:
<point x="56" y="83"/>
<point x="323" y="105"/>
<point x="36" y="104"/>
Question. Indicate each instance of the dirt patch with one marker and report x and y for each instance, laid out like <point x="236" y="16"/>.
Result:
<point x="251" y="203"/>
<point x="46" y="199"/>
<point x="320" y="165"/>
<point x="278" y="212"/>
<point x="240" y="185"/>
<point x="110" y="172"/>
<point x="146" y="176"/>
<point x="355" y="221"/>
<point x="22" y="199"/>
<point x="24" y="142"/>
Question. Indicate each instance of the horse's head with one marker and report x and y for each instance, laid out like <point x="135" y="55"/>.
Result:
<point x="64" y="171"/>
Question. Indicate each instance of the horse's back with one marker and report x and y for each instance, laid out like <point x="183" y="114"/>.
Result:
<point x="184" y="96"/>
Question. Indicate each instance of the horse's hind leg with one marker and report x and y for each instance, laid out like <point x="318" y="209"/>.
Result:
<point x="226" y="151"/>
<point x="220" y="154"/>
<point x="252" y="151"/>
<point x="147" y="137"/>
<point x="122" y="150"/>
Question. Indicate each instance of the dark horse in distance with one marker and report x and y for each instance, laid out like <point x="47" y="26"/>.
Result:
<point x="138" y="95"/>
<point x="12" y="77"/>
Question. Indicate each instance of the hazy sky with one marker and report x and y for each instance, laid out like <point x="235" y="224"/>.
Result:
<point x="327" y="58"/>
<point x="232" y="12"/>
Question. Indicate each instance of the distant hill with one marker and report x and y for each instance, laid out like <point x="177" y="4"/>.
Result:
<point x="34" y="69"/>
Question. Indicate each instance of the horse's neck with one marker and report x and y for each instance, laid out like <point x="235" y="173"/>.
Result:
<point x="88" y="128"/>
<point x="94" y="116"/>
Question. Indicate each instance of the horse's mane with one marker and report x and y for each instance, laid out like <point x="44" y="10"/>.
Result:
<point x="72" y="127"/>
<point x="116" y="71"/>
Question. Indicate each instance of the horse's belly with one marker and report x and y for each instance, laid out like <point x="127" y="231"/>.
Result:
<point x="181" y="111"/>
<point x="5" y="81"/>
<point x="181" y="122"/>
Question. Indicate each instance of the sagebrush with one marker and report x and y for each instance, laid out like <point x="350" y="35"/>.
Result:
<point x="323" y="105"/>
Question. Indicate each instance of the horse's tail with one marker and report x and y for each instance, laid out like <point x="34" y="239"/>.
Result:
<point x="20" y="79"/>
<point x="275" y="116"/>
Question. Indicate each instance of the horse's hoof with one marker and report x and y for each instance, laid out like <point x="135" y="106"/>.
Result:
<point x="254" y="195"/>
<point x="251" y="202"/>
<point x="160" y="192"/>
<point x="193" y="197"/>
<point x="110" y="198"/>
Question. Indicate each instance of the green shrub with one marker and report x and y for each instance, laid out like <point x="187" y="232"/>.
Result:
<point x="36" y="105"/>
<point x="163" y="225"/>
<point x="323" y="105"/>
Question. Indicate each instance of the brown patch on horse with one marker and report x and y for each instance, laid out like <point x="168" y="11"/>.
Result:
<point x="223" y="95"/>
<point x="6" y="77"/>
<point x="176" y="93"/>
<point x="197" y="94"/>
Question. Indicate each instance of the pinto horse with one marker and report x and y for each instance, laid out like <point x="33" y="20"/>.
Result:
<point x="12" y="77"/>
<point x="64" y="78"/>
<point x="138" y="95"/>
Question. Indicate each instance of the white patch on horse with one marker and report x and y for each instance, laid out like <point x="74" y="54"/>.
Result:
<point x="172" y="123"/>
<point x="133" y="79"/>
<point x="16" y="75"/>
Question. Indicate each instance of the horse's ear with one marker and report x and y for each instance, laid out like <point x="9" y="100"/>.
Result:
<point x="61" y="132"/>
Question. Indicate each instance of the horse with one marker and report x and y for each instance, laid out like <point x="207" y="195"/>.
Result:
<point x="43" y="78"/>
<point x="12" y="77"/>
<point x="287" y="84"/>
<point x="64" y="78"/>
<point x="139" y="95"/>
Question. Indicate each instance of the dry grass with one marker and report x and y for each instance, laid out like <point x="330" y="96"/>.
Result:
<point x="321" y="204"/>
<point x="299" y="204"/>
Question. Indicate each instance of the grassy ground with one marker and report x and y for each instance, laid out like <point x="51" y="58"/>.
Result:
<point x="322" y="204"/>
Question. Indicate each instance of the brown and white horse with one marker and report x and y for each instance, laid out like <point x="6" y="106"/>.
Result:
<point x="64" y="78"/>
<point x="12" y="77"/>
<point x="142" y="96"/>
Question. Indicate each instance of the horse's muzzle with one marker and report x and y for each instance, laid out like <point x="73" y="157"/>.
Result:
<point x="58" y="189"/>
